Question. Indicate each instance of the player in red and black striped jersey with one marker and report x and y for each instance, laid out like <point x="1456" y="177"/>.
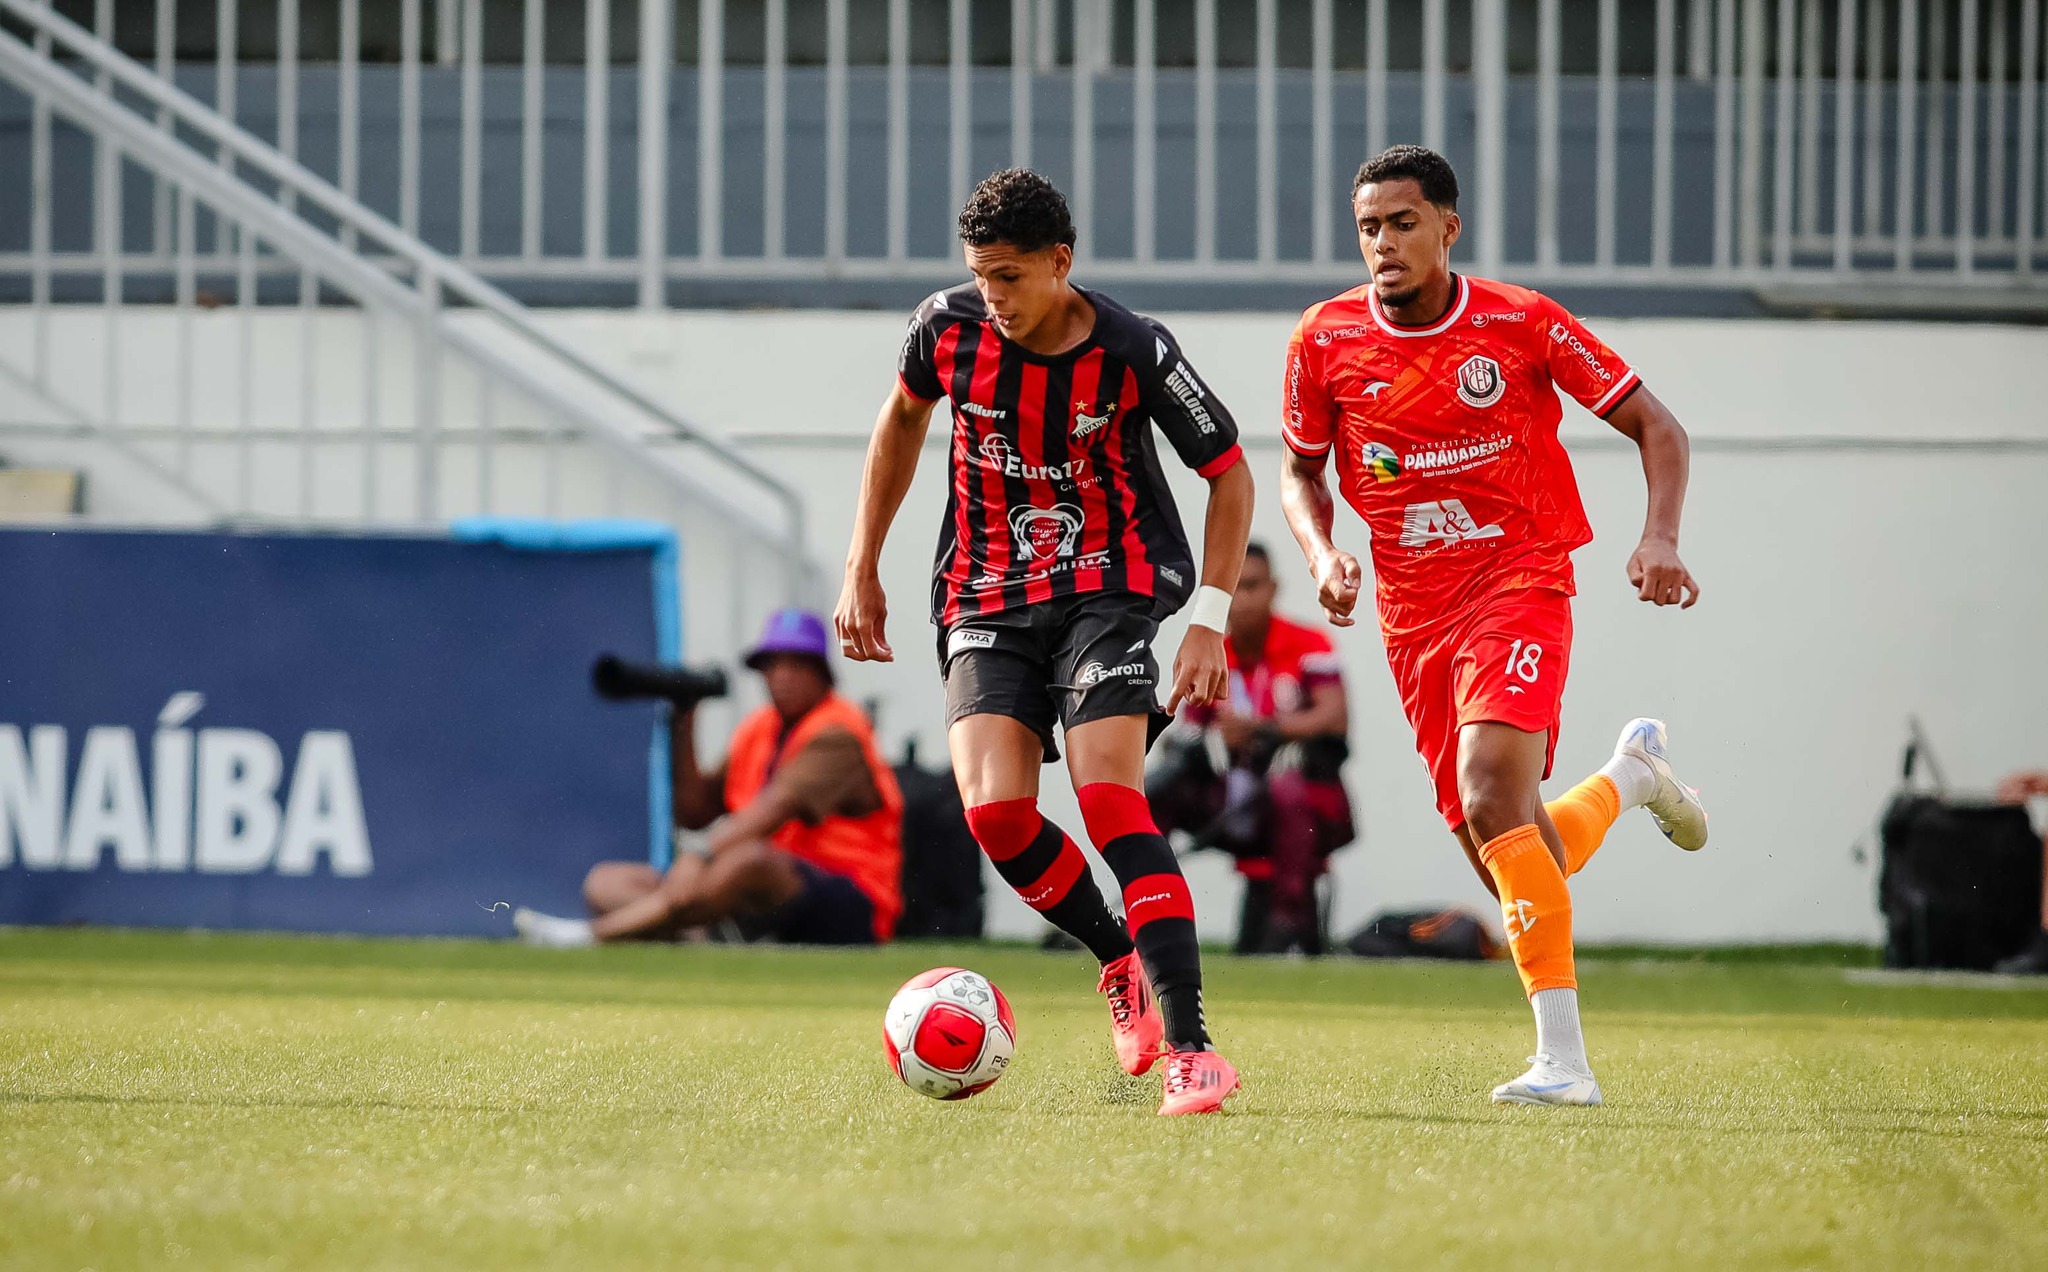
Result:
<point x="1057" y="488"/>
<point x="1060" y="553"/>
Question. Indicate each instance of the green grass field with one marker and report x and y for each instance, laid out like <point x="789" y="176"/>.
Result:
<point x="235" y="1101"/>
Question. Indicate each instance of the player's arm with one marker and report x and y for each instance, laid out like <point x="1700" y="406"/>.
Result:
<point x="1654" y="568"/>
<point x="1308" y="424"/>
<point x="1201" y="674"/>
<point x="1305" y="500"/>
<point x="1599" y="380"/>
<point x="1204" y="435"/>
<point x="884" y="480"/>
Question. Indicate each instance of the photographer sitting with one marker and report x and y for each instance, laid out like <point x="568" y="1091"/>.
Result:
<point x="806" y="822"/>
<point x="1258" y="775"/>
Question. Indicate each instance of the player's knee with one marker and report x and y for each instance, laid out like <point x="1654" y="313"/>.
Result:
<point x="1113" y="811"/>
<point x="1004" y="828"/>
<point x="1494" y="803"/>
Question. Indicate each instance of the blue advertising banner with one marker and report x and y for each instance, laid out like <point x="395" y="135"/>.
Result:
<point x="319" y="733"/>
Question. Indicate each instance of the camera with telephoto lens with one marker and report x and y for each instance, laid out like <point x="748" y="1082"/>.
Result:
<point x="615" y="678"/>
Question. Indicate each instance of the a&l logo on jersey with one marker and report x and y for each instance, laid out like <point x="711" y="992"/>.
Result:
<point x="1480" y="383"/>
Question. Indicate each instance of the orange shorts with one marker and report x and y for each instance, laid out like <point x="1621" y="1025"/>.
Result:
<point x="1503" y="660"/>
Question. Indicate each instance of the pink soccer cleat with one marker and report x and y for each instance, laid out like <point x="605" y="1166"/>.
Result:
<point x="1196" y="1082"/>
<point x="1134" y="1021"/>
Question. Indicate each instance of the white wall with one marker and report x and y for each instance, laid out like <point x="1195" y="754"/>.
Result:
<point x="1862" y="570"/>
<point x="1844" y="589"/>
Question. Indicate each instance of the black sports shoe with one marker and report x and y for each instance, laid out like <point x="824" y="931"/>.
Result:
<point x="2031" y="961"/>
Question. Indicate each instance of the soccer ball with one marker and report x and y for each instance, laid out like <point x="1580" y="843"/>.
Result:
<point x="949" y="1033"/>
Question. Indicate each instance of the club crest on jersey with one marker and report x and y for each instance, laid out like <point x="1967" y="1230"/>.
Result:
<point x="1044" y="533"/>
<point x="1381" y="462"/>
<point x="1480" y="382"/>
<point x="1085" y="424"/>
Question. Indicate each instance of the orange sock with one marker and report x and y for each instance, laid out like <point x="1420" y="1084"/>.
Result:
<point x="1536" y="907"/>
<point x="1582" y="816"/>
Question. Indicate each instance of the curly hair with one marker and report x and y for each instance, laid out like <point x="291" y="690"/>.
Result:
<point x="1420" y="164"/>
<point x="1019" y="208"/>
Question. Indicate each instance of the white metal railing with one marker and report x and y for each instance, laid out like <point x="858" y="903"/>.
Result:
<point x="1771" y="143"/>
<point x="518" y="384"/>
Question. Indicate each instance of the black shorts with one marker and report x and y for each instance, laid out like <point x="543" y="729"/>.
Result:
<point x="1065" y="661"/>
<point x="830" y="910"/>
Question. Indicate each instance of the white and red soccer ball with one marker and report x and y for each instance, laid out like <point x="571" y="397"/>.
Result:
<point x="949" y="1033"/>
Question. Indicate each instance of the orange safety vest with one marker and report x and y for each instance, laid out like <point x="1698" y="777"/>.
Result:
<point x="867" y="850"/>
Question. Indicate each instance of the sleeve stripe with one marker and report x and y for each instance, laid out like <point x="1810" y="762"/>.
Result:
<point x="913" y="392"/>
<point x="1222" y="463"/>
<point x="1614" y="396"/>
<point x="1300" y="447"/>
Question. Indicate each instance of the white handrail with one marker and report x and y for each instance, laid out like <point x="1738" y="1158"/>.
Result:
<point x="136" y="135"/>
<point x="430" y="265"/>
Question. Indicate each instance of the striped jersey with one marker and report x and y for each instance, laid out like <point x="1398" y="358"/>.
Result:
<point x="1445" y="438"/>
<point x="1056" y="486"/>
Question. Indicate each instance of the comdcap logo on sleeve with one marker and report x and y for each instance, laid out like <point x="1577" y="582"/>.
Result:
<point x="1561" y="334"/>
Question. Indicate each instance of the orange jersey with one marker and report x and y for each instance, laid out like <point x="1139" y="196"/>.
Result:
<point x="1446" y="439"/>
<point x="868" y="849"/>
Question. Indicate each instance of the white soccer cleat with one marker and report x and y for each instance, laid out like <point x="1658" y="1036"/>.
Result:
<point x="1548" y="1082"/>
<point x="536" y="928"/>
<point x="1674" y="806"/>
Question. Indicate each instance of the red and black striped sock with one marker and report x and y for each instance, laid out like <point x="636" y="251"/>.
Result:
<point x="1158" y="907"/>
<point x="1048" y="871"/>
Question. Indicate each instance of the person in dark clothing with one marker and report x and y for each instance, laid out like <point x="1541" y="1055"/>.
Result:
<point x="1257" y="774"/>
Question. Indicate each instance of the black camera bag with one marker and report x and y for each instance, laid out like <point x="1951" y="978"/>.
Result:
<point x="1960" y="884"/>
<point x="942" y="887"/>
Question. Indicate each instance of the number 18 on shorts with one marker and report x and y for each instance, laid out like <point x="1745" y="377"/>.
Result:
<point x="1502" y="660"/>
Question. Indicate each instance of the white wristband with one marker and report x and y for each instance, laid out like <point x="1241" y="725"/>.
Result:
<point x="1211" y="609"/>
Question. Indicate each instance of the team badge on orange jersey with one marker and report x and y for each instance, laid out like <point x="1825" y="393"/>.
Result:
<point x="1480" y="382"/>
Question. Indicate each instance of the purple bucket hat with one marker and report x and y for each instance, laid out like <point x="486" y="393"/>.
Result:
<point x="792" y="631"/>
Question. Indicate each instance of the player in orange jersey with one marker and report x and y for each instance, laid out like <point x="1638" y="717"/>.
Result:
<point x="1436" y="393"/>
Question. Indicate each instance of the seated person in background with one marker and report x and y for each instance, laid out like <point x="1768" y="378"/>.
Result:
<point x="806" y="822"/>
<point x="2033" y="960"/>
<point x="1257" y="775"/>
